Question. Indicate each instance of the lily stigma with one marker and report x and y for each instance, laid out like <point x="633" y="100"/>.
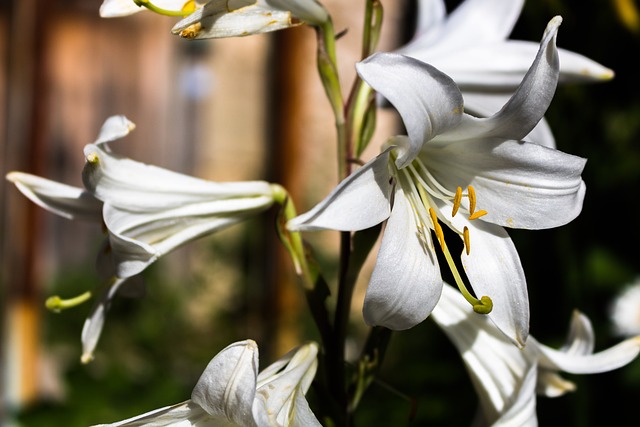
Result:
<point x="421" y="190"/>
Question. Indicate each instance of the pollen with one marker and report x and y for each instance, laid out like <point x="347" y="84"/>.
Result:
<point x="189" y="7"/>
<point x="192" y="31"/>
<point x="471" y="193"/>
<point x="437" y="228"/>
<point x="93" y="159"/>
<point x="456" y="201"/>
<point x="477" y="214"/>
<point x="467" y="240"/>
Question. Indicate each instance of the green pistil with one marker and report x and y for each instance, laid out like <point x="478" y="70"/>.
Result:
<point x="57" y="304"/>
<point x="484" y="305"/>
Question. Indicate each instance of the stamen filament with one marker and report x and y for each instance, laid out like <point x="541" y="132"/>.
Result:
<point x="432" y="179"/>
<point x="415" y="175"/>
<point x="57" y="304"/>
<point x="477" y="214"/>
<point x="471" y="193"/>
<point x="152" y="7"/>
<point x="484" y="305"/>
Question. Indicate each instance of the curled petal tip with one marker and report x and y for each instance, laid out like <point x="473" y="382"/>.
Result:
<point x="607" y="74"/>
<point x="554" y="22"/>
<point x="86" y="358"/>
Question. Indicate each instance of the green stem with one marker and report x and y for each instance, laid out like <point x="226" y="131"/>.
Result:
<point x="360" y="109"/>
<point x="328" y="70"/>
<point x="369" y="363"/>
<point x="314" y="285"/>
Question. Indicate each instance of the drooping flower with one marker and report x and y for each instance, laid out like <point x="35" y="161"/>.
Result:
<point x="230" y="392"/>
<point x="507" y="378"/>
<point x="624" y="310"/>
<point x="236" y="18"/>
<point x="471" y="46"/>
<point x="147" y="211"/>
<point x="475" y="175"/>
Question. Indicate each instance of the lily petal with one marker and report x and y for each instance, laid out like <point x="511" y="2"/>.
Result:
<point x="227" y="386"/>
<point x="581" y="338"/>
<point x="225" y="18"/>
<point x="60" y="199"/>
<point x="482" y="104"/>
<point x="501" y="66"/>
<point x="137" y="186"/>
<point x="301" y="414"/>
<point x="528" y="104"/>
<point x="606" y="360"/>
<point x="115" y="127"/>
<point x="519" y="184"/>
<point x="405" y="284"/>
<point x="185" y="414"/>
<point x="431" y="13"/>
<point x="310" y="11"/>
<point x="280" y="392"/>
<point x="118" y="8"/>
<point x="138" y="238"/>
<point x="496" y="367"/>
<point x="494" y="269"/>
<point x="360" y="201"/>
<point x="533" y="96"/>
<point x="521" y="409"/>
<point x="429" y="102"/>
<point x="92" y="328"/>
<point x="470" y="21"/>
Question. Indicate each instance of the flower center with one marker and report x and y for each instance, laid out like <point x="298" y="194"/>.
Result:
<point x="422" y="190"/>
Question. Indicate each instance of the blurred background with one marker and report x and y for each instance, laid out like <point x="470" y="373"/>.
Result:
<point x="253" y="108"/>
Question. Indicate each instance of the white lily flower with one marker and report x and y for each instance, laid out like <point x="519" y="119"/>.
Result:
<point x="624" y="310"/>
<point x="506" y="377"/>
<point x="230" y="392"/>
<point x="508" y="182"/>
<point x="471" y="45"/>
<point x="237" y="18"/>
<point x="119" y="8"/>
<point x="148" y="211"/>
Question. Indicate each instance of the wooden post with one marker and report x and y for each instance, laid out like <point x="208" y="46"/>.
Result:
<point x="24" y="148"/>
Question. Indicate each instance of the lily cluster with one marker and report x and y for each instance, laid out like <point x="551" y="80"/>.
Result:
<point x="476" y="158"/>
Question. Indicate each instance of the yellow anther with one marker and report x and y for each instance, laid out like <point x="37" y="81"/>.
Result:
<point x="456" y="201"/>
<point x="477" y="214"/>
<point x="93" y="158"/>
<point x="189" y="7"/>
<point x="192" y="31"/>
<point x="471" y="193"/>
<point x="467" y="240"/>
<point x="436" y="227"/>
